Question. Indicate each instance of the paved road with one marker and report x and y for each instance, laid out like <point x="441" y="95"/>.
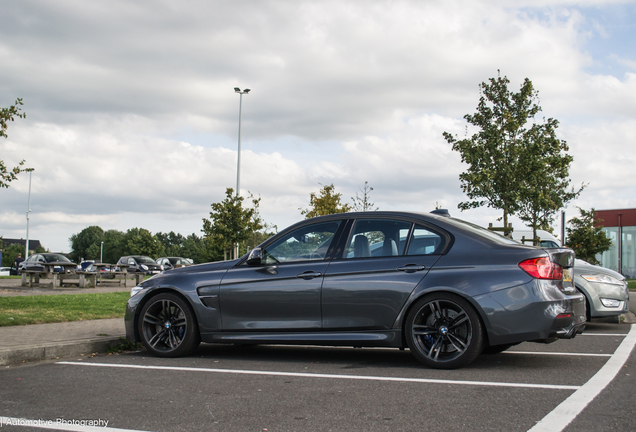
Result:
<point x="280" y="388"/>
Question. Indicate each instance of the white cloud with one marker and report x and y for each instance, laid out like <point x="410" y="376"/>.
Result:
<point x="132" y="121"/>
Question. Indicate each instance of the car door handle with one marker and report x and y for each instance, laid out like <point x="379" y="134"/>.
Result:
<point x="309" y="275"/>
<point x="411" y="268"/>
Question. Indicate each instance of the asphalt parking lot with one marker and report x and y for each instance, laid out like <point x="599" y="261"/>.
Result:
<point x="283" y="388"/>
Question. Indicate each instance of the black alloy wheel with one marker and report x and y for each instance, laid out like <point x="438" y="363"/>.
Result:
<point x="167" y="326"/>
<point x="443" y="331"/>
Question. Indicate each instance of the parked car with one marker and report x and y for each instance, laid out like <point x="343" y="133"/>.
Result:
<point x="442" y="287"/>
<point x="546" y="239"/>
<point x="84" y="265"/>
<point x="169" y="263"/>
<point x="605" y="290"/>
<point x="140" y="264"/>
<point x="36" y="262"/>
<point x="5" y="271"/>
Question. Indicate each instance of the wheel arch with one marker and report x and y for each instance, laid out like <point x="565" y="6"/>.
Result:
<point x="401" y="319"/>
<point x="153" y="293"/>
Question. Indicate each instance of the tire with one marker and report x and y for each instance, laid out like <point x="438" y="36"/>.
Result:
<point x="167" y="327"/>
<point x="443" y="331"/>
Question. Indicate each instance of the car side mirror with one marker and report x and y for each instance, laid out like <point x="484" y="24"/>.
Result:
<point x="255" y="257"/>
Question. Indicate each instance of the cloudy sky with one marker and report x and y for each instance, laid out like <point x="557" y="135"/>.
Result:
<point x="132" y="120"/>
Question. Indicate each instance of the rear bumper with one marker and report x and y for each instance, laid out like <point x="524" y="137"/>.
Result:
<point x="537" y="311"/>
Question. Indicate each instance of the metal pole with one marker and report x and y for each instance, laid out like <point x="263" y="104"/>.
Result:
<point x="26" y="248"/>
<point x="101" y="254"/>
<point x="238" y="159"/>
<point x="562" y="227"/>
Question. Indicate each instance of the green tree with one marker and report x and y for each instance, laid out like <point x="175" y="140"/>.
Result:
<point x="545" y="187"/>
<point x="8" y="114"/>
<point x="10" y="253"/>
<point x="231" y="224"/>
<point x="140" y="241"/>
<point x="586" y="236"/>
<point x="493" y="153"/>
<point x="86" y="244"/>
<point x="194" y="248"/>
<point x="363" y="203"/>
<point x="327" y="202"/>
<point x="113" y="246"/>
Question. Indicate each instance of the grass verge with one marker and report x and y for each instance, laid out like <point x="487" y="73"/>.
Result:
<point x="632" y="284"/>
<point x="41" y="309"/>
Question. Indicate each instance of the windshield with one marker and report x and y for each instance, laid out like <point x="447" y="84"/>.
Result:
<point x="56" y="257"/>
<point x="145" y="260"/>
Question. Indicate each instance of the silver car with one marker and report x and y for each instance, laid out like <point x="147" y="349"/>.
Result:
<point x="605" y="290"/>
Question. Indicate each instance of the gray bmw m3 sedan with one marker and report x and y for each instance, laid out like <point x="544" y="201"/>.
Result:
<point x="445" y="289"/>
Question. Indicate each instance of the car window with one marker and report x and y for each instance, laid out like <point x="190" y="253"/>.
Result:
<point x="131" y="261"/>
<point x="377" y="238"/>
<point x="424" y="242"/>
<point x="306" y="243"/>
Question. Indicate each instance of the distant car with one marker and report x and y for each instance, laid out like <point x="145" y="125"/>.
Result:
<point x="5" y="271"/>
<point x="605" y="290"/>
<point x="140" y="264"/>
<point x="84" y="265"/>
<point x="169" y="263"/>
<point x="546" y="239"/>
<point x="444" y="288"/>
<point x="36" y="262"/>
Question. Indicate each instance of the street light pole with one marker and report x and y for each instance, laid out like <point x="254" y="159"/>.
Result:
<point x="101" y="253"/>
<point x="26" y="249"/>
<point x="238" y="159"/>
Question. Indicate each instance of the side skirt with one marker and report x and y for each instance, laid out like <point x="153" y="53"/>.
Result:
<point x="388" y="338"/>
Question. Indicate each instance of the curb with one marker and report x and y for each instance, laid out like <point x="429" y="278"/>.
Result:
<point x="28" y="353"/>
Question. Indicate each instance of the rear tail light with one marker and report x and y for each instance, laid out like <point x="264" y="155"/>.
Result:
<point x="542" y="268"/>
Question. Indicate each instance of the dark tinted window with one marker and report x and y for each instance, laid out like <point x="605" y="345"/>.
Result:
<point x="377" y="238"/>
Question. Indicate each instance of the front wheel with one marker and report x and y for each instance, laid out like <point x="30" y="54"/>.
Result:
<point x="443" y="331"/>
<point x="167" y="327"/>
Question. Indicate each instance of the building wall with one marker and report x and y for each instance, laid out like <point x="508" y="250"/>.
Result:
<point x="620" y="223"/>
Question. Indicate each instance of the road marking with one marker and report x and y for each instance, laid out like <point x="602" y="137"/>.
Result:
<point x="558" y="353"/>
<point x="330" y="376"/>
<point x="603" y="334"/>
<point x="562" y="415"/>
<point x="62" y="425"/>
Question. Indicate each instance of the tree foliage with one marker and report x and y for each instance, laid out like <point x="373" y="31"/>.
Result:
<point x="515" y="163"/>
<point x="10" y="253"/>
<point x="8" y="114"/>
<point x="231" y="224"/>
<point x="140" y="241"/>
<point x="363" y="202"/>
<point x="86" y="245"/>
<point x="326" y="202"/>
<point x="177" y="245"/>
<point x="586" y="237"/>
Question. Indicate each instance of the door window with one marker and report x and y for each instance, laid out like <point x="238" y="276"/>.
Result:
<point x="304" y="244"/>
<point x="377" y="238"/>
<point x="424" y="242"/>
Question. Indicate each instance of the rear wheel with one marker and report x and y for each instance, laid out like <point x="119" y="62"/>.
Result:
<point x="167" y="327"/>
<point x="444" y="331"/>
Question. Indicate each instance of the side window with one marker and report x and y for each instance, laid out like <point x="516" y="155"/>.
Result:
<point x="377" y="238"/>
<point x="424" y="242"/>
<point x="307" y="243"/>
<point x="131" y="261"/>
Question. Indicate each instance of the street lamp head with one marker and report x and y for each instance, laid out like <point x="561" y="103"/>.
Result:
<point x="237" y="90"/>
<point x="246" y="91"/>
<point x="29" y="169"/>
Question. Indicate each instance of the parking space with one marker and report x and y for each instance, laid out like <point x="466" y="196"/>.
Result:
<point x="283" y="388"/>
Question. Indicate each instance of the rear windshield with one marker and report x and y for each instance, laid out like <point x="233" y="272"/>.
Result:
<point x="482" y="232"/>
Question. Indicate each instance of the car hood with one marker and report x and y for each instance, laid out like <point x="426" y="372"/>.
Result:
<point x="583" y="267"/>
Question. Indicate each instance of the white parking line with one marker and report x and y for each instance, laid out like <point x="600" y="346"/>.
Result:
<point x="603" y="334"/>
<point x="562" y="415"/>
<point x="330" y="376"/>
<point x="60" y="424"/>
<point x="558" y="353"/>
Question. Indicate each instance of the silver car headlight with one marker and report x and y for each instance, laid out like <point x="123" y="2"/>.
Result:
<point x="136" y="290"/>
<point x="601" y="278"/>
<point x="145" y="267"/>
